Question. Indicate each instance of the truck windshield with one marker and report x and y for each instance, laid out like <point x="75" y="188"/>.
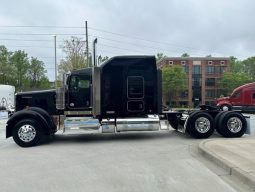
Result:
<point x="235" y="95"/>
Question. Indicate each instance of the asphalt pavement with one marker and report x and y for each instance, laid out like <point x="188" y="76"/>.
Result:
<point x="154" y="161"/>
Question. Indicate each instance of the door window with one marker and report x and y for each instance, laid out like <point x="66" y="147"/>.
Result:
<point x="79" y="91"/>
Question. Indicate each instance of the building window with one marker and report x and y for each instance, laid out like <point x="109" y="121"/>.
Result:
<point x="210" y="93"/>
<point x="210" y="82"/>
<point x="184" y="94"/>
<point x="196" y="69"/>
<point x="222" y="62"/>
<point x="170" y="62"/>
<point x="209" y="62"/>
<point x="210" y="69"/>
<point x="223" y="69"/>
<point x="186" y="68"/>
<point x="220" y="69"/>
<point x="196" y="81"/>
<point x="183" y="62"/>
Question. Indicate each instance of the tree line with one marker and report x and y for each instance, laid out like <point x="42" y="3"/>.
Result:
<point x="241" y="72"/>
<point x="25" y="73"/>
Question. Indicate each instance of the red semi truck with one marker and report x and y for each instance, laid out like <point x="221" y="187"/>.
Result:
<point x="242" y="98"/>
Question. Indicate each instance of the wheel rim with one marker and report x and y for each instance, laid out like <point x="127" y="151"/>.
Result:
<point x="234" y="124"/>
<point x="202" y="125"/>
<point x="26" y="133"/>
<point x="225" y="108"/>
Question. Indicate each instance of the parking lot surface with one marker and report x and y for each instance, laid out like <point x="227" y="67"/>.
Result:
<point x="155" y="161"/>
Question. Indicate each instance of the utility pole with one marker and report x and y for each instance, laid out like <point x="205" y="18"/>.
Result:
<point x="55" y="48"/>
<point x="87" y="43"/>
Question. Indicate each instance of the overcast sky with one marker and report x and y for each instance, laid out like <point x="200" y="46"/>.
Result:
<point x="198" y="27"/>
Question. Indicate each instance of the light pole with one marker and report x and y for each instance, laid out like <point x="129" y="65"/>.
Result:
<point x="55" y="50"/>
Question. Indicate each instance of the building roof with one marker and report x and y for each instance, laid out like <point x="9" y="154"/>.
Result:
<point x="194" y="58"/>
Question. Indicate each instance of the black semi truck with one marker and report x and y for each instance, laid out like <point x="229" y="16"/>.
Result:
<point x="122" y="94"/>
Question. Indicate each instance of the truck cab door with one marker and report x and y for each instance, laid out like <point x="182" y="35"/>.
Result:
<point x="236" y="98"/>
<point x="253" y="98"/>
<point x="79" y="92"/>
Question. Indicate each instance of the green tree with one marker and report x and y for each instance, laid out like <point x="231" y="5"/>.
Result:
<point x="20" y="63"/>
<point x="5" y="67"/>
<point x="160" y="56"/>
<point x="249" y="67"/>
<point x="174" y="82"/>
<point x="185" y="55"/>
<point x="236" y="66"/>
<point x="231" y="80"/>
<point x="75" y="55"/>
<point x="36" y="73"/>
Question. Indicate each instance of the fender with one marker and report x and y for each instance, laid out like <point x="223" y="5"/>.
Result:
<point x="26" y="114"/>
<point x="224" y="102"/>
<point x="46" y="116"/>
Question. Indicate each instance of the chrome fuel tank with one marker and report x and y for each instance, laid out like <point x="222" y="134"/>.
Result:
<point x="151" y="123"/>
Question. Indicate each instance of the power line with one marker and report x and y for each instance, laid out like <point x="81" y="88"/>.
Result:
<point x="42" y="34"/>
<point x="43" y="40"/>
<point x="100" y="30"/>
<point x="39" y="26"/>
<point x="92" y="28"/>
<point x="152" y="41"/>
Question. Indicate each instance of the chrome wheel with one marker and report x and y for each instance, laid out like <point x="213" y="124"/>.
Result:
<point x="234" y="124"/>
<point x="26" y="133"/>
<point x="202" y="125"/>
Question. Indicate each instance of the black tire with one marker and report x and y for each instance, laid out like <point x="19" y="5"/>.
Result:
<point x="24" y="140"/>
<point x="198" y="131"/>
<point x="216" y="121"/>
<point x="232" y="124"/>
<point x="225" y="107"/>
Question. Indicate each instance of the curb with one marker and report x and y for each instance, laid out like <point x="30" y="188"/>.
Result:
<point x="231" y="169"/>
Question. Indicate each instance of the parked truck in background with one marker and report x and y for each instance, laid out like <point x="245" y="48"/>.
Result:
<point x="241" y="99"/>
<point x="122" y="94"/>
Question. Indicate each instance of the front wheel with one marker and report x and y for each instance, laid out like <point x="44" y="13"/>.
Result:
<point x="27" y="133"/>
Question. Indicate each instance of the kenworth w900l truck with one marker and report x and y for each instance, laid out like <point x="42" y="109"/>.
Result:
<point x="122" y="94"/>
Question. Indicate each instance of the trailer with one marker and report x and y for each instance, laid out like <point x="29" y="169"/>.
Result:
<point x="122" y="94"/>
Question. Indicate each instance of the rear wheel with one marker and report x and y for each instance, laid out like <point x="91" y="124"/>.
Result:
<point x="216" y="121"/>
<point x="232" y="124"/>
<point x="27" y="133"/>
<point x="200" y="125"/>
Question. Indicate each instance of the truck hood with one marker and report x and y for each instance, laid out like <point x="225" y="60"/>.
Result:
<point x="222" y="99"/>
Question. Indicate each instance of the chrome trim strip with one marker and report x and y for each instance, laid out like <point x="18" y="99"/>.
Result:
<point x="96" y="84"/>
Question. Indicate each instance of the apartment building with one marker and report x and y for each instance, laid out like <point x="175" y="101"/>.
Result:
<point x="203" y="75"/>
